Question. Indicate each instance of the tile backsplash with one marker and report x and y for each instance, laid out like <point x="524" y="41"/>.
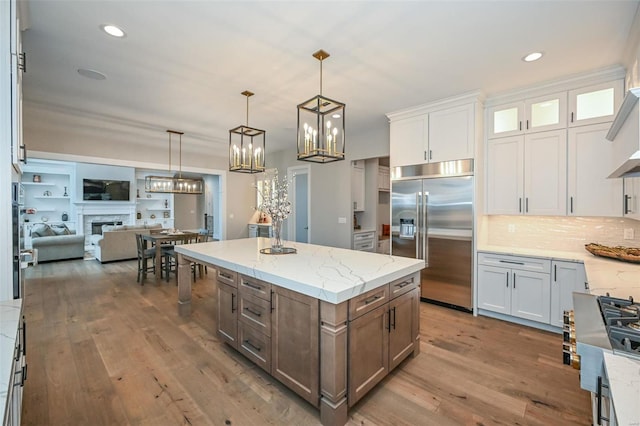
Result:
<point x="557" y="232"/>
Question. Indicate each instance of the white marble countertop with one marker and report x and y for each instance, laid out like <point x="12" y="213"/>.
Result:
<point x="619" y="279"/>
<point x="327" y="273"/>
<point x="624" y="385"/>
<point x="10" y="311"/>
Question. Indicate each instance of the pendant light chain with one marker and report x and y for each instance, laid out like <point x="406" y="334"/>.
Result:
<point x="247" y="111"/>
<point x="169" y="151"/>
<point x="180" y="158"/>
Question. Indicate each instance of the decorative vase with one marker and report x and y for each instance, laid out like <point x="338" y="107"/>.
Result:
<point x="276" y="239"/>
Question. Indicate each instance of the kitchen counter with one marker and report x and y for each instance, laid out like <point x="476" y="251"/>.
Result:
<point x="619" y="279"/>
<point x="10" y="312"/>
<point x="624" y="386"/>
<point x="327" y="273"/>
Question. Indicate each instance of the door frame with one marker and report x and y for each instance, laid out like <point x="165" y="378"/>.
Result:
<point x="291" y="223"/>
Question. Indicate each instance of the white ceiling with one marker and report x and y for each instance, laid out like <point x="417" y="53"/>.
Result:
<point x="183" y="64"/>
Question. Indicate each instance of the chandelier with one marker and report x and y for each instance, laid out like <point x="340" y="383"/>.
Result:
<point x="321" y="126"/>
<point x="174" y="184"/>
<point x="246" y="146"/>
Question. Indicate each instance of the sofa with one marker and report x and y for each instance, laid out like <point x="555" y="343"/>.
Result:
<point x="118" y="242"/>
<point x="56" y="242"/>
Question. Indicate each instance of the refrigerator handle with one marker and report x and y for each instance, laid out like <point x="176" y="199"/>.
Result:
<point x="425" y="235"/>
<point x="416" y="229"/>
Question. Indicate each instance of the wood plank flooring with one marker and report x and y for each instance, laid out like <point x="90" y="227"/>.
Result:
<point x="103" y="350"/>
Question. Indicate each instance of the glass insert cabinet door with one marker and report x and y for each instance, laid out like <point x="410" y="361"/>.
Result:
<point x="546" y="113"/>
<point x="533" y="115"/>
<point x="595" y="104"/>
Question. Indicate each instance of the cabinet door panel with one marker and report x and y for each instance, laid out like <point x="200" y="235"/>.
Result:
<point x="590" y="192"/>
<point x="566" y="277"/>
<point x="545" y="173"/>
<point x="632" y="198"/>
<point x="402" y="334"/>
<point x="494" y="289"/>
<point x="368" y="352"/>
<point x="408" y="141"/>
<point x="531" y="296"/>
<point x="227" y="314"/>
<point x="451" y="134"/>
<point x="294" y="344"/>
<point x="595" y="104"/>
<point x="505" y="170"/>
<point x="505" y="120"/>
<point x="546" y="113"/>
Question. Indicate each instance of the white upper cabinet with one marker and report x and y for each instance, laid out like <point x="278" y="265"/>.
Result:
<point x="527" y="174"/>
<point x="18" y="150"/>
<point x="590" y="155"/>
<point x="451" y="134"/>
<point x="441" y="131"/>
<point x="595" y="104"/>
<point x="632" y="198"/>
<point x="409" y="141"/>
<point x="539" y="114"/>
<point x="505" y="175"/>
<point x="545" y="173"/>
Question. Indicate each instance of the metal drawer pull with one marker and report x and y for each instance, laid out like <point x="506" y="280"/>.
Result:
<point x="24" y="336"/>
<point x="252" y="312"/>
<point x="404" y="283"/>
<point x="223" y="275"/>
<point x="233" y="308"/>
<point x="254" y="347"/>
<point x="394" y="318"/>
<point x="512" y="262"/>
<point x="371" y="299"/>
<point x="252" y="285"/>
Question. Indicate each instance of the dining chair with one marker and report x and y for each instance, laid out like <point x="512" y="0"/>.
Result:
<point x="144" y="256"/>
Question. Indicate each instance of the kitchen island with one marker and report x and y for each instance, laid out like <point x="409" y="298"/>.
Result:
<point x="328" y="323"/>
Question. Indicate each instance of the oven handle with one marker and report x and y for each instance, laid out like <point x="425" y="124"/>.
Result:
<point x="599" y="401"/>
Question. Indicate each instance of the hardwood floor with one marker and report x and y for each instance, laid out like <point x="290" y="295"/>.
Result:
<point x="103" y="350"/>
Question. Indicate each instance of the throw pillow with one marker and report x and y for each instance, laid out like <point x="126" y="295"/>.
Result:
<point x="60" y="229"/>
<point x="42" y="230"/>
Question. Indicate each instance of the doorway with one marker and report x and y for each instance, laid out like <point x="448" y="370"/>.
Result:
<point x="298" y="223"/>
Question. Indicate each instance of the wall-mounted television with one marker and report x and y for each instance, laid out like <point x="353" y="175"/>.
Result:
<point x="105" y="190"/>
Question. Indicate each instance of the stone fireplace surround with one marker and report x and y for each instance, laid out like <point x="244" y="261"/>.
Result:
<point x="102" y="211"/>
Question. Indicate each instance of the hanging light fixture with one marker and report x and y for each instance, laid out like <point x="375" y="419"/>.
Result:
<point x="321" y="126"/>
<point x="174" y="184"/>
<point x="246" y="146"/>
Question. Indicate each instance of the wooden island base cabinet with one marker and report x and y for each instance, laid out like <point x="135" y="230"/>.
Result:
<point x="330" y="354"/>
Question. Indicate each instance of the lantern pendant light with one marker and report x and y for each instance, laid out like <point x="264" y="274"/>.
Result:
<point x="174" y="184"/>
<point x="246" y="146"/>
<point x="321" y="137"/>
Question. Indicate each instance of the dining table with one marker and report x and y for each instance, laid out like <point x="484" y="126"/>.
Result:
<point x="158" y="239"/>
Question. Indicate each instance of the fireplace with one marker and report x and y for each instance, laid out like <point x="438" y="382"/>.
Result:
<point x="96" y="227"/>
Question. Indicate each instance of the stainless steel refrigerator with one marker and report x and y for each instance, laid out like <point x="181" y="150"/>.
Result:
<point x="432" y="219"/>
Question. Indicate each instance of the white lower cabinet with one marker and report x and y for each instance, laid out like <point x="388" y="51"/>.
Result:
<point x="531" y="288"/>
<point x="514" y="292"/>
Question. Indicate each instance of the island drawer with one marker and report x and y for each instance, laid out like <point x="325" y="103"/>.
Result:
<point x="227" y="276"/>
<point x="255" y="345"/>
<point x="403" y="285"/>
<point x="368" y="301"/>
<point x="255" y="312"/>
<point x="256" y="287"/>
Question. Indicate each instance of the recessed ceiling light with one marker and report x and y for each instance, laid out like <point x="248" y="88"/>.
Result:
<point x="92" y="74"/>
<point x="112" y="30"/>
<point x="534" y="56"/>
